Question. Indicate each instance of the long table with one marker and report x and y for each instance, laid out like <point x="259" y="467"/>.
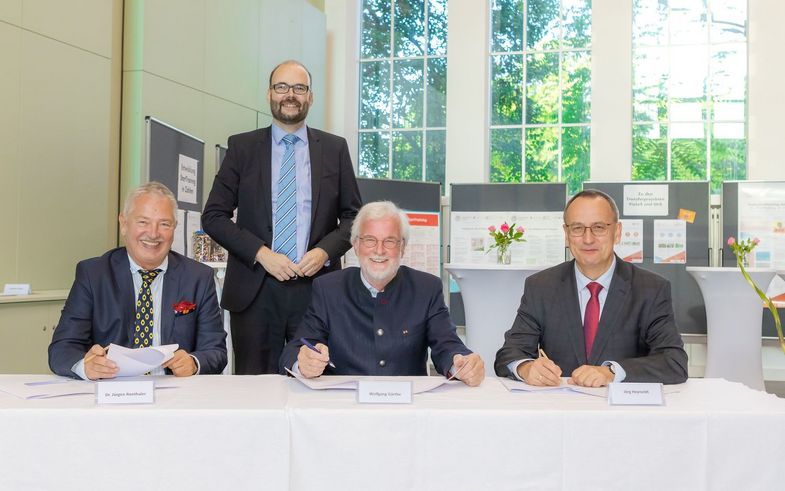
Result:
<point x="270" y="432"/>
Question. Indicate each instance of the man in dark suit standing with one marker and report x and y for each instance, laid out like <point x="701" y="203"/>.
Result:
<point x="380" y="318"/>
<point x="296" y="196"/>
<point x="598" y="318"/>
<point x="141" y="295"/>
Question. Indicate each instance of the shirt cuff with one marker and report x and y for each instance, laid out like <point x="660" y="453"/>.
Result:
<point x="295" y="368"/>
<point x="618" y="372"/>
<point x="198" y="366"/>
<point x="78" y="369"/>
<point x="513" y="367"/>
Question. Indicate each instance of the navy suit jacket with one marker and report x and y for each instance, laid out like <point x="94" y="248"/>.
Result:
<point x="397" y="327"/>
<point x="636" y="330"/>
<point x="101" y="305"/>
<point x="244" y="182"/>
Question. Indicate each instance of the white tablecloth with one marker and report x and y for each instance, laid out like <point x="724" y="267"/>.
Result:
<point x="272" y="433"/>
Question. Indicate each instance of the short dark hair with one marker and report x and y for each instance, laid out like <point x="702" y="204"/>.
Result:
<point x="593" y="193"/>
<point x="290" y="62"/>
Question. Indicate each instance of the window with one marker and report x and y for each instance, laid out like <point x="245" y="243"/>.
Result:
<point x="689" y="90"/>
<point x="403" y="89"/>
<point x="540" y="69"/>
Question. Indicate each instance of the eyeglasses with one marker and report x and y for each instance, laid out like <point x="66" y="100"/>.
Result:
<point x="597" y="229"/>
<point x="283" y="88"/>
<point x="370" y="242"/>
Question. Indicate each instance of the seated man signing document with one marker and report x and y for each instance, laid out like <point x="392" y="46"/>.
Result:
<point x="381" y="318"/>
<point x="597" y="318"/>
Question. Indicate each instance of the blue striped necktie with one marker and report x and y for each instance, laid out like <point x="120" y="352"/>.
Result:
<point x="285" y="228"/>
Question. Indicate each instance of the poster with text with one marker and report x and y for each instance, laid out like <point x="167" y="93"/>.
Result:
<point x="645" y="200"/>
<point x="186" y="179"/>
<point x="630" y="247"/>
<point x="762" y="216"/>
<point x="670" y="242"/>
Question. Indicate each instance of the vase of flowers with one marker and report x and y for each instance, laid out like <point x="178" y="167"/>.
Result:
<point x="503" y="238"/>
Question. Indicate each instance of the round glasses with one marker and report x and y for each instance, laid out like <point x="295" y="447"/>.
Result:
<point x="597" y="229"/>
<point x="370" y="242"/>
<point x="283" y="88"/>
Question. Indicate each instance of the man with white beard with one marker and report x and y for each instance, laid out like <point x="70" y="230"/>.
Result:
<point x="380" y="318"/>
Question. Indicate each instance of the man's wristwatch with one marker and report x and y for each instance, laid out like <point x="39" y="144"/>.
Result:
<point x="610" y="367"/>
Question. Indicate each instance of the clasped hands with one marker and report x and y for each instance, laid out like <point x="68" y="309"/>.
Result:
<point x="282" y="268"/>
<point x="544" y="372"/>
<point x="98" y="366"/>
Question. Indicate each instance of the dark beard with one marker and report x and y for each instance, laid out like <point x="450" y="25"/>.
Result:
<point x="275" y="108"/>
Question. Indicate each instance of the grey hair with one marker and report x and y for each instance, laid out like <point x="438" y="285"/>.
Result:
<point x="152" y="187"/>
<point x="291" y="62"/>
<point x="379" y="210"/>
<point x="593" y="193"/>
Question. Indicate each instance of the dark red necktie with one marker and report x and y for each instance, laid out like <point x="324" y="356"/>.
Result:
<point x="591" y="317"/>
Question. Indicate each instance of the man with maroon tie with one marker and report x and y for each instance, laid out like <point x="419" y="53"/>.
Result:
<point x="597" y="318"/>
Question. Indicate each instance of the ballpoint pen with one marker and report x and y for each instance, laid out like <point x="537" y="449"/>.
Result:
<point x="305" y="342"/>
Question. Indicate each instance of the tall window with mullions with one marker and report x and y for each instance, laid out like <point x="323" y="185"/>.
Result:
<point x="403" y="89"/>
<point x="540" y="83"/>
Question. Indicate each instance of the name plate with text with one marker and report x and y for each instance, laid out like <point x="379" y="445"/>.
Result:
<point x="125" y="392"/>
<point x="384" y="392"/>
<point x="635" y="394"/>
<point x="17" y="289"/>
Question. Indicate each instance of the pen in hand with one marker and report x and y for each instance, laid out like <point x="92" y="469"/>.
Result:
<point x="93" y="355"/>
<point x="306" y="343"/>
<point x="542" y="354"/>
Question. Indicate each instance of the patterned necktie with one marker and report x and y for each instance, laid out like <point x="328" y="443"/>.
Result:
<point x="143" y="324"/>
<point x="285" y="228"/>
<point x="591" y="316"/>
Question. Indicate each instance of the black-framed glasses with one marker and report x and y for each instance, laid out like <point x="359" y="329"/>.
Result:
<point x="370" y="242"/>
<point x="597" y="229"/>
<point x="283" y="88"/>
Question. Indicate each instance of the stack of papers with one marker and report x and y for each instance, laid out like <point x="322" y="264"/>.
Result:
<point x="133" y="362"/>
<point x="350" y="382"/>
<point x="518" y="386"/>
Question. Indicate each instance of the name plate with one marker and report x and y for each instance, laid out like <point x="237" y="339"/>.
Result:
<point x="384" y="392"/>
<point x="125" y="392"/>
<point x="17" y="289"/>
<point x="635" y="394"/>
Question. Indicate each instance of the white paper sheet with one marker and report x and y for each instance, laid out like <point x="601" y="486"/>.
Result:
<point x="186" y="179"/>
<point x="670" y="242"/>
<point x="645" y="200"/>
<point x="630" y="248"/>
<point x="518" y="386"/>
<point x="50" y="386"/>
<point x="133" y="362"/>
<point x="349" y="382"/>
<point x="178" y="244"/>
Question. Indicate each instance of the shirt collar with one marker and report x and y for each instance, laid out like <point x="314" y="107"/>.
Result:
<point x="135" y="267"/>
<point x="604" y="279"/>
<point x="370" y="287"/>
<point x="279" y="133"/>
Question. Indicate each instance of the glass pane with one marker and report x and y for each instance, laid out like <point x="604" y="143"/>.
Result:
<point x="506" y="155"/>
<point x="542" y="88"/>
<point x="435" y="151"/>
<point x="542" y="24"/>
<point x="729" y="82"/>
<point x="649" y="84"/>
<point x="576" y="86"/>
<point x="575" y="147"/>
<point x="506" y="89"/>
<point x="407" y="93"/>
<point x="437" y="27"/>
<point x="437" y="92"/>
<point x="409" y="28"/>
<point x="688" y="22"/>
<point x="649" y="26"/>
<point x="648" y="152"/>
<point x="407" y="155"/>
<point x="375" y="36"/>
<point x="688" y="152"/>
<point x="728" y="21"/>
<point x="542" y="155"/>
<point x="689" y="69"/>
<point x="374" y="94"/>
<point x="576" y="15"/>
<point x="506" y="25"/>
<point x="728" y="154"/>
<point x="374" y="154"/>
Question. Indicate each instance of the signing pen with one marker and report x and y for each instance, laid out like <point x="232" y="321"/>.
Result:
<point x="305" y="342"/>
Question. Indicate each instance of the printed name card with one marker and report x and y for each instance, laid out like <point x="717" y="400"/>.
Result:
<point x="635" y="394"/>
<point x="125" y="392"/>
<point x="384" y="392"/>
<point x="17" y="289"/>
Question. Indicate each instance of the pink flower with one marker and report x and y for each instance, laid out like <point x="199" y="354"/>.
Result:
<point x="505" y="228"/>
<point x="492" y="229"/>
<point x="731" y="241"/>
<point x="519" y="230"/>
<point x="755" y="241"/>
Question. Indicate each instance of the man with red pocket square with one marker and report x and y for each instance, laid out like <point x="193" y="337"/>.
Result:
<point x="138" y="296"/>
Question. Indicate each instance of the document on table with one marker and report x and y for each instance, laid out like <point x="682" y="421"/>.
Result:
<point x="48" y="386"/>
<point x="349" y="382"/>
<point x="518" y="386"/>
<point x="133" y="362"/>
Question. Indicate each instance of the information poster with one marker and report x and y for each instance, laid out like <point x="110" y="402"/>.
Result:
<point x="186" y="179"/>
<point x="670" y="242"/>
<point x="645" y="200"/>
<point x="762" y="216"/>
<point x="422" y="252"/>
<point x="630" y="247"/>
<point x="178" y="245"/>
<point x="470" y="240"/>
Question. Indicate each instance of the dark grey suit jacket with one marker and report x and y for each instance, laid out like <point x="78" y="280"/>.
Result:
<point x="636" y="330"/>
<point x="244" y="182"/>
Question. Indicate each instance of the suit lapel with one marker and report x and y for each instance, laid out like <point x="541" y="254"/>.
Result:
<point x="262" y="154"/>
<point x="617" y="296"/>
<point x="124" y="286"/>
<point x="573" y="314"/>
<point x="169" y="298"/>
<point x="315" y="153"/>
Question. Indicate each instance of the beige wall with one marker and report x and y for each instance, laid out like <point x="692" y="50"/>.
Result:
<point x="59" y="136"/>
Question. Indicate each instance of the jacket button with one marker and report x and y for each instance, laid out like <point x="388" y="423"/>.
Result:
<point x="382" y="363"/>
<point x="380" y="332"/>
